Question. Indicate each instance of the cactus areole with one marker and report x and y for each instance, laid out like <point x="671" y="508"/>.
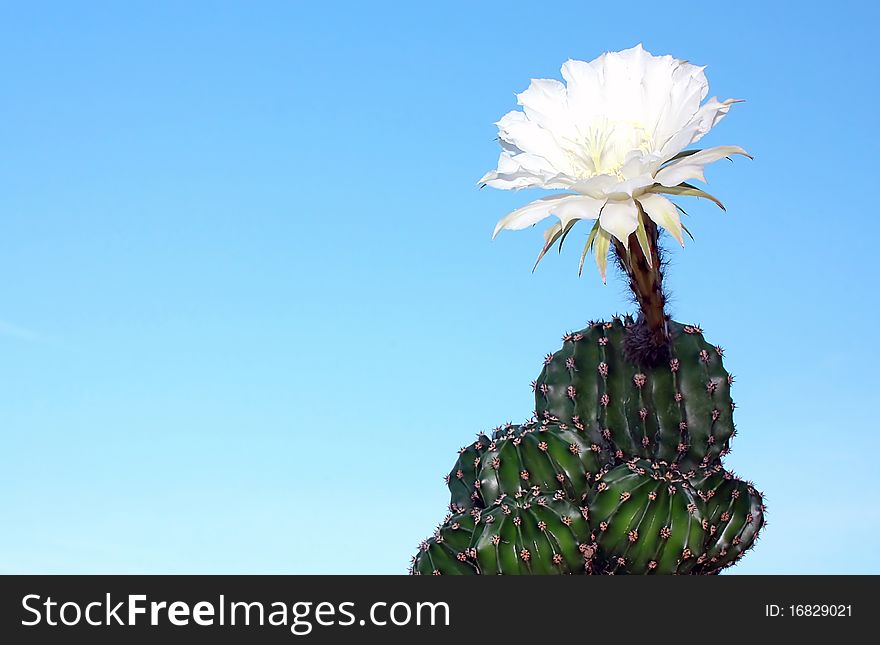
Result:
<point x="620" y="470"/>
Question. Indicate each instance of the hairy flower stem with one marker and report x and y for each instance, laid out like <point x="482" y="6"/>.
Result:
<point x="648" y="340"/>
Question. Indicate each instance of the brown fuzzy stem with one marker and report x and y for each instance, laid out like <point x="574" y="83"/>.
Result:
<point x="650" y="341"/>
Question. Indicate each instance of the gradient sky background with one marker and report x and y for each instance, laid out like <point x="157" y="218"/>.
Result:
<point x="250" y="307"/>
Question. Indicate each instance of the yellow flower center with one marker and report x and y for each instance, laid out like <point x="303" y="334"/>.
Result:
<point x="603" y="149"/>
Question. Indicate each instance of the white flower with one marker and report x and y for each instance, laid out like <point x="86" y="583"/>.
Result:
<point x="614" y="136"/>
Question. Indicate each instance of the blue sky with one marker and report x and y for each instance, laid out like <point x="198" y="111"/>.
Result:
<point x="251" y="308"/>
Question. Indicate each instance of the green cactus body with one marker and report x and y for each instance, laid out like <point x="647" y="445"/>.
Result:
<point x="733" y="516"/>
<point x="447" y="552"/>
<point x="680" y="412"/>
<point x="645" y="519"/>
<point x="531" y="535"/>
<point x="620" y="474"/>
<point x="461" y="478"/>
<point x="539" y="458"/>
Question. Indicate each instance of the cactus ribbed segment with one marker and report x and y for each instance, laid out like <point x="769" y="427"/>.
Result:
<point x="532" y="535"/>
<point x="734" y="517"/>
<point x="447" y="552"/>
<point x="679" y="412"/>
<point x="461" y="478"/>
<point x="539" y="458"/>
<point x="645" y="519"/>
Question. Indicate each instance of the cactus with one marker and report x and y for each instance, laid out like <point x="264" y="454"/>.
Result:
<point x="637" y="447"/>
<point x="461" y="478"/>
<point x="646" y="518"/>
<point x="447" y="552"/>
<point x="733" y="516"/>
<point x="680" y="411"/>
<point x="539" y="458"/>
<point x="531" y="535"/>
<point x="519" y="534"/>
<point x="649" y="517"/>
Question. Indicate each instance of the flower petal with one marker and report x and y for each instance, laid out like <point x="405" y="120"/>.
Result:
<point x="515" y="128"/>
<point x="686" y="190"/>
<point x="584" y="88"/>
<point x="589" y="245"/>
<point x="523" y="170"/>
<point x="644" y="242"/>
<point x="577" y="207"/>
<point x="620" y="218"/>
<point x="545" y="102"/>
<point x="598" y="186"/>
<point x="550" y="236"/>
<point x="674" y="99"/>
<point x="691" y="167"/>
<point x="703" y="120"/>
<point x="663" y="212"/>
<point x="627" y="188"/>
<point x="600" y="246"/>
<point x="529" y="214"/>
